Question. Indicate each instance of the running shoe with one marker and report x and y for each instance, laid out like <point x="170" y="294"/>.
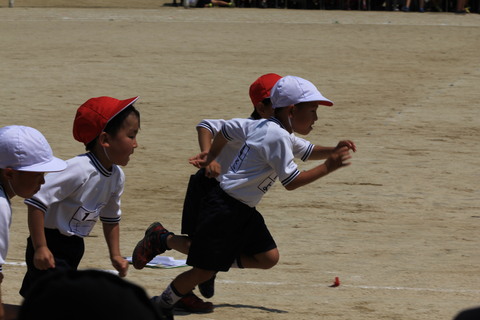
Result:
<point x="193" y="304"/>
<point x="153" y="243"/>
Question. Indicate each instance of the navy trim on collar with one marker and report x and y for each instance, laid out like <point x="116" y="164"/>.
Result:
<point x="96" y="163"/>
<point x="273" y="119"/>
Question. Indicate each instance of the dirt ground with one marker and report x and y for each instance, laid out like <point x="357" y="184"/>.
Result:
<point x="399" y="227"/>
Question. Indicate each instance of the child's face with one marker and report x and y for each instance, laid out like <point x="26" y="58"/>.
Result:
<point x="121" y="146"/>
<point x="25" y="183"/>
<point x="304" y="116"/>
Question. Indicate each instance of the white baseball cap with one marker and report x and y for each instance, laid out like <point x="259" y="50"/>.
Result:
<point x="293" y="90"/>
<point x="26" y="149"/>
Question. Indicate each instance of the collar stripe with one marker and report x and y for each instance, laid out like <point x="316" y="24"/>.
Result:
<point x="96" y="163"/>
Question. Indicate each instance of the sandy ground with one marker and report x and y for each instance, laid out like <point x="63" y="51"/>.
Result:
<point x="399" y="227"/>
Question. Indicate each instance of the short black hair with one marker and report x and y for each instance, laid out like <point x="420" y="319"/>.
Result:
<point x="255" y="115"/>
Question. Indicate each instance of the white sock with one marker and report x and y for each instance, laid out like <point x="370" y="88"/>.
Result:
<point x="169" y="297"/>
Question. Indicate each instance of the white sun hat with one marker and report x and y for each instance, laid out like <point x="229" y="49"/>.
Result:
<point x="26" y="149"/>
<point x="291" y="90"/>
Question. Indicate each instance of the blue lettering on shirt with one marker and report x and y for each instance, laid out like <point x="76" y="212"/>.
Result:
<point x="242" y="154"/>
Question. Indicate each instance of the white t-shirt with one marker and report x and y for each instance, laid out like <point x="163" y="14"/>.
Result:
<point x="74" y="199"/>
<point x="267" y="153"/>
<point x="301" y="147"/>
<point x="5" y="222"/>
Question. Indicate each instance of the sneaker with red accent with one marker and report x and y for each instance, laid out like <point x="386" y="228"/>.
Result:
<point x="153" y="243"/>
<point x="193" y="304"/>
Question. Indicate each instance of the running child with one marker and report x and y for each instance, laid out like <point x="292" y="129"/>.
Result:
<point x="25" y="156"/>
<point x="70" y="203"/>
<point x="207" y="178"/>
<point x="200" y="184"/>
<point x="230" y="231"/>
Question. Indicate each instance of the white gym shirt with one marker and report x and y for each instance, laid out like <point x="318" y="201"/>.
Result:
<point x="265" y="155"/>
<point x="301" y="147"/>
<point x="74" y="199"/>
<point x="5" y="222"/>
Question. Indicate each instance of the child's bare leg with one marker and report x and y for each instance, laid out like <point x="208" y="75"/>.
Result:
<point x="187" y="281"/>
<point x="179" y="243"/>
<point x="264" y="260"/>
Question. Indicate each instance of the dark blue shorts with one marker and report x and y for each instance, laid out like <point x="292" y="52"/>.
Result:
<point x="227" y="228"/>
<point x="198" y="187"/>
<point x="67" y="251"/>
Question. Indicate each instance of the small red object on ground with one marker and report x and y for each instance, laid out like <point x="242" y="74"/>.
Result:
<point x="336" y="283"/>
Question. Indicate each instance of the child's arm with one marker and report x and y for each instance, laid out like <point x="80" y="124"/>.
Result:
<point x="203" y="159"/>
<point x="205" y="137"/>
<point x="320" y="152"/>
<point x="43" y="258"/>
<point x="336" y="160"/>
<point x="111" y="231"/>
<point x="234" y="129"/>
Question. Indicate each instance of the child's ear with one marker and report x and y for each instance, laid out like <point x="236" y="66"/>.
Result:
<point x="103" y="139"/>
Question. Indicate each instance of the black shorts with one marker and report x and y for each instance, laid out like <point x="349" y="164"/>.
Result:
<point x="198" y="187"/>
<point x="227" y="228"/>
<point x="67" y="251"/>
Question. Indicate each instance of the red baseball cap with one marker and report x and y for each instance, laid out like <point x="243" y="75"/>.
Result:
<point x="260" y="89"/>
<point x="93" y="116"/>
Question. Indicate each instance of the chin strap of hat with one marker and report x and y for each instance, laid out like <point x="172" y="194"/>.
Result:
<point x="290" y="123"/>
<point x="11" y="188"/>
<point x="106" y="154"/>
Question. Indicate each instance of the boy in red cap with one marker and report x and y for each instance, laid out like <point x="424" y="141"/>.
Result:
<point x="69" y="204"/>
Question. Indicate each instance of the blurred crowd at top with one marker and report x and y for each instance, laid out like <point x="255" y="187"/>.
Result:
<point x="453" y="6"/>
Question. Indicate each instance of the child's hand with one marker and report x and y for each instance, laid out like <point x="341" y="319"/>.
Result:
<point x="346" y="143"/>
<point x="338" y="159"/>
<point x="213" y="169"/>
<point x="120" y="264"/>
<point x="200" y="160"/>
<point x="43" y="258"/>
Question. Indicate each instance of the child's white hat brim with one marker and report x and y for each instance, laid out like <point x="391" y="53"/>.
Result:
<point x="26" y="149"/>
